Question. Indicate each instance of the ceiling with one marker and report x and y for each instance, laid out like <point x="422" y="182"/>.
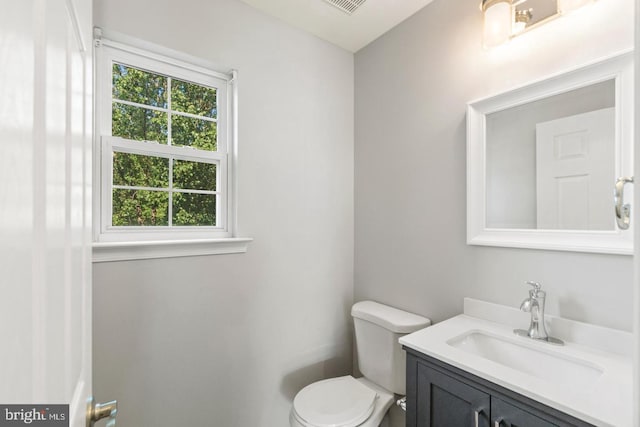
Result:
<point x="351" y="32"/>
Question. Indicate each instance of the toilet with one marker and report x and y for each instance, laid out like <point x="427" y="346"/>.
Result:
<point x="362" y="402"/>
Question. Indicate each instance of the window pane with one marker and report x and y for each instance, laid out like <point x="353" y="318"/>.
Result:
<point x="140" y="124"/>
<point x="192" y="98"/>
<point x="140" y="171"/>
<point x="194" y="175"/>
<point x="140" y="208"/>
<point x="194" y="209"/>
<point x="193" y="132"/>
<point x="132" y="84"/>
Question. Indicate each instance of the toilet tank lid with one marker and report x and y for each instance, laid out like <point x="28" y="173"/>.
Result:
<point x="389" y="318"/>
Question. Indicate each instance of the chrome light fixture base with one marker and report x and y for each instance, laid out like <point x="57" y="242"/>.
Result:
<point x="505" y="19"/>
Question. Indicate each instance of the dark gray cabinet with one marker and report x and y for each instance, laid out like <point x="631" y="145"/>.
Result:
<point x="506" y="414"/>
<point x="443" y="401"/>
<point x="441" y="395"/>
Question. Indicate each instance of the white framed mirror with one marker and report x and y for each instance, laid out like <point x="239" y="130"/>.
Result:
<point x="543" y="159"/>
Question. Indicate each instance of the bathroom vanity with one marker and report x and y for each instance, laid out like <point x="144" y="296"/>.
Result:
<point x="542" y="161"/>
<point x="472" y="370"/>
<point x="439" y="394"/>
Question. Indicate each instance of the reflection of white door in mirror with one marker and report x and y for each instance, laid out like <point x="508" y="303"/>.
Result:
<point x="575" y="171"/>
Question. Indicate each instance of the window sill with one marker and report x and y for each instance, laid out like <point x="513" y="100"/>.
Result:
<point x="126" y="251"/>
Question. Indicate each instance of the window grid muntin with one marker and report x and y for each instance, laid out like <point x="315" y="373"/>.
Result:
<point x="146" y="148"/>
<point x="170" y="142"/>
<point x="169" y="111"/>
<point x="165" y="110"/>
<point x="169" y="78"/>
<point x="175" y="190"/>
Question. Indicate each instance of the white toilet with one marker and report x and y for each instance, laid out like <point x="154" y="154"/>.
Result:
<point x="362" y="402"/>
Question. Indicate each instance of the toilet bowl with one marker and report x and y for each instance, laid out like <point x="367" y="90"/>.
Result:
<point x="340" y="402"/>
<point x="362" y="402"/>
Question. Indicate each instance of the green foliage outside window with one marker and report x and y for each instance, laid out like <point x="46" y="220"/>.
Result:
<point x="149" y="206"/>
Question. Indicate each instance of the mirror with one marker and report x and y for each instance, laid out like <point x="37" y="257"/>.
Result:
<point x="543" y="161"/>
<point x="550" y="163"/>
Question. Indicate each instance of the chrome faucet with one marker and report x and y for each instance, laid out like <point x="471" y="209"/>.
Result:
<point x="535" y="305"/>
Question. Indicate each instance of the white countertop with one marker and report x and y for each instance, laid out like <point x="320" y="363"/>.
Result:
<point x="606" y="402"/>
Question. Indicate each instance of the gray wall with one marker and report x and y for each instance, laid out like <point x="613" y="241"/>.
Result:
<point x="228" y="340"/>
<point x="412" y="87"/>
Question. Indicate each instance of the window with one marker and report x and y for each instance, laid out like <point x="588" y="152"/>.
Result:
<point x="164" y="146"/>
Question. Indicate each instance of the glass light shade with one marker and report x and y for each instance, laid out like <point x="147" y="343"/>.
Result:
<point x="568" y="6"/>
<point x="497" y="23"/>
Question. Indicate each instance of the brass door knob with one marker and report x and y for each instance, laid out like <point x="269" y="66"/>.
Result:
<point x="98" y="411"/>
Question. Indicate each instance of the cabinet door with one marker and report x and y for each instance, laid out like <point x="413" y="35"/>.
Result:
<point x="443" y="401"/>
<point x="504" y="414"/>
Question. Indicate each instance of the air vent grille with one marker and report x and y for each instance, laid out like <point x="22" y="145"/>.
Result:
<point x="347" y="6"/>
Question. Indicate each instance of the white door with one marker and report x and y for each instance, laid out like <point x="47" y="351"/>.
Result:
<point x="575" y="171"/>
<point x="45" y="203"/>
<point x="636" y="242"/>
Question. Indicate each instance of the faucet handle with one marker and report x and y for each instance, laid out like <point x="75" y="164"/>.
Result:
<point x="536" y="286"/>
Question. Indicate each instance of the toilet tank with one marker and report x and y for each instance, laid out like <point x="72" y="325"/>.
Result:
<point x="380" y="356"/>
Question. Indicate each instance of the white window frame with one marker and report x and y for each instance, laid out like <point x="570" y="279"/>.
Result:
<point x="139" y="242"/>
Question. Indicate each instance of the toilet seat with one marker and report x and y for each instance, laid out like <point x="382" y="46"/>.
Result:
<point x="336" y="402"/>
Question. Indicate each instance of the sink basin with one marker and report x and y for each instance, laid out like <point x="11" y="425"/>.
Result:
<point x="546" y="365"/>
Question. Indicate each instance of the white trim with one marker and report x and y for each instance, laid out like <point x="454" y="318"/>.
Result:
<point x="620" y="55"/>
<point x="635" y="218"/>
<point x="555" y="240"/>
<point x="618" y="67"/>
<point x="156" y="52"/>
<point x="124" y="251"/>
<point x="232" y="160"/>
<point x="76" y="25"/>
<point x="166" y="190"/>
<point x="150" y="148"/>
<point x="166" y="110"/>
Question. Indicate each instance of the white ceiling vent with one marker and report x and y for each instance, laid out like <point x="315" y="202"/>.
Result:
<point x="347" y="6"/>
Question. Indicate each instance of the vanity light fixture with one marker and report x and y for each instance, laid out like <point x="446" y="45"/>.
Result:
<point x="505" y="19"/>
<point x="568" y="6"/>
<point x="498" y="18"/>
